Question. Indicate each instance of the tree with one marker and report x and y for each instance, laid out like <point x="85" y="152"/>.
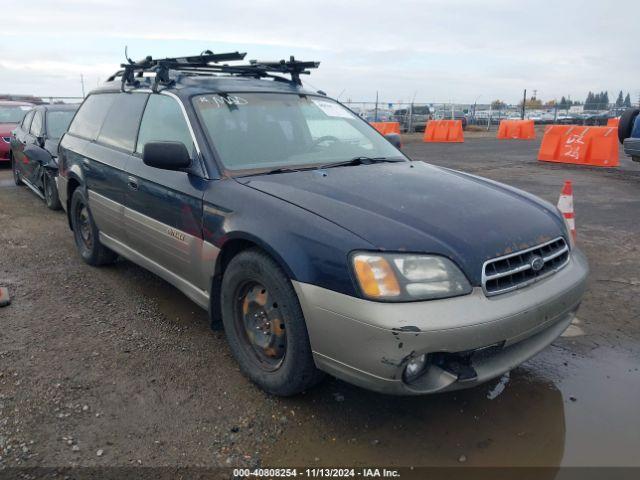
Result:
<point x="498" y="105"/>
<point x="588" y="103"/>
<point x="627" y="101"/>
<point x="620" y="100"/>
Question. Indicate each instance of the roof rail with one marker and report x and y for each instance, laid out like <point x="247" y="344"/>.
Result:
<point x="206" y="64"/>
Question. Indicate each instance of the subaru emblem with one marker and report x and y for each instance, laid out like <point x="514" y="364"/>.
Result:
<point x="536" y="263"/>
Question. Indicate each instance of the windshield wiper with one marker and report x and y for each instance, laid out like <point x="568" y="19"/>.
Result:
<point x="353" y="161"/>
<point x="287" y="170"/>
<point x="362" y="161"/>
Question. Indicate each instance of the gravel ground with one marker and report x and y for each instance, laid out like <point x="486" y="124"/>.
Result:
<point x="114" y="367"/>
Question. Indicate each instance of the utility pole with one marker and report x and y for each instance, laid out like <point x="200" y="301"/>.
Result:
<point x="82" y="83"/>
<point x="376" y="109"/>
<point x="524" y="102"/>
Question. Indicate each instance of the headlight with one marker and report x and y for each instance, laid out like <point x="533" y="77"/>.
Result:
<point x="404" y="277"/>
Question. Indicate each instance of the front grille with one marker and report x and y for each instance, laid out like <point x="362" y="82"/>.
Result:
<point x="503" y="274"/>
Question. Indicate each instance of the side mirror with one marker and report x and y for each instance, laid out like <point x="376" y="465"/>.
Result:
<point x="166" y="155"/>
<point x="40" y="140"/>
<point x="394" y="139"/>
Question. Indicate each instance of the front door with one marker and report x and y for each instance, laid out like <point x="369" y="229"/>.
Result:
<point x="163" y="215"/>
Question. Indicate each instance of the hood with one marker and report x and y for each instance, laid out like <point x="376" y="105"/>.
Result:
<point x="416" y="207"/>
<point x="7" y="128"/>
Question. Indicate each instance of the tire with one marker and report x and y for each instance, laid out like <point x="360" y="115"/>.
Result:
<point x="51" y="198"/>
<point x="85" y="232"/>
<point x="625" y="126"/>
<point x="16" y="175"/>
<point x="256" y="290"/>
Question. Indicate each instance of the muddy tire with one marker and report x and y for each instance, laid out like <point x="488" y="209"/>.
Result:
<point x="16" y="175"/>
<point x="265" y="326"/>
<point x="51" y="198"/>
<point x="86" y="233"/>
<point x="625" y="126"/>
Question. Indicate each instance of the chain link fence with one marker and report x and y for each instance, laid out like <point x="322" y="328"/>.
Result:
<point x="413" y="117"/>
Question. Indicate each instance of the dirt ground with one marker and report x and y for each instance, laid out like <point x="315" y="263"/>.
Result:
<point x="113" y="366"/>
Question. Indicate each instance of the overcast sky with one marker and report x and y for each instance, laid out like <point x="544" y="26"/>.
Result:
<point x="437" y="51"/>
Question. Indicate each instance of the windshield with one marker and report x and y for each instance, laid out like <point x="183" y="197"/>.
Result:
<point x="268" y="130"/>
<point x="58" y="122"/>
<point x="13" y="114"/>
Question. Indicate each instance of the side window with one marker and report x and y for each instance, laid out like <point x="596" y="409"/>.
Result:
<point x="37" y="124"/>
<point x="88" y="120"/>
<point x="120" y="126"/>
<point x="26" y="122"/>
<point x="163" y="120"/>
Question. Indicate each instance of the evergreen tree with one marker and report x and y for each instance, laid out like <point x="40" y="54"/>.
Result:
<point x="588" y="103"/>
<point x="627" y="101"/>
<point x="620" y="100"/>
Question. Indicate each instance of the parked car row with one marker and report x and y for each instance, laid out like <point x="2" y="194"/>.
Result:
<point x="315" y="243"/>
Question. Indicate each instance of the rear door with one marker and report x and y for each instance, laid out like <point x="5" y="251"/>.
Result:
<point x="164" y="208"/>
<point x="105" y="138"/>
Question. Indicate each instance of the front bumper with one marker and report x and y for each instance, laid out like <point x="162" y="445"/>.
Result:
<point x="369" y="343"/>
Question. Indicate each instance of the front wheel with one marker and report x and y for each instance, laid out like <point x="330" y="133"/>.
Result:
<point x="16" y="173"/>
<point x="265" y="326"/>
<point x="51" y="198"/>
<point x="85" y="232"/>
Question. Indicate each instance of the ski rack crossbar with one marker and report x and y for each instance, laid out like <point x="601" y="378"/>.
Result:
<point x="207" y="64"/>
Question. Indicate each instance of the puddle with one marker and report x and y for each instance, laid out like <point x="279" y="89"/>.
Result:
<point x="560" y="408"/>
<point x="546" y="414"/>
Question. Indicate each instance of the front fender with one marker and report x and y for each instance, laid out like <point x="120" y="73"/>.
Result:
<point x="309" y="248"/>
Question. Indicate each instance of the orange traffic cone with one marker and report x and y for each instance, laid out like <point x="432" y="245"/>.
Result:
<point x="565" y="205"/>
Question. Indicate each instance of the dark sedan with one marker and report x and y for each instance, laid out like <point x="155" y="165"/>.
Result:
<point x="34" y="150"/>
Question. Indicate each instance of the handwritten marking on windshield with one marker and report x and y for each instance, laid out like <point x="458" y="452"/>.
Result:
<point x="220" y="101"/>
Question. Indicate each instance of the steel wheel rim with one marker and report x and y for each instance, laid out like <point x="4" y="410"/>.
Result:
<point x="84" y="226"/>
<point x="259" y="322"/>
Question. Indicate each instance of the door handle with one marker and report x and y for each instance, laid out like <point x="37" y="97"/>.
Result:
<point x="133" y="183"/>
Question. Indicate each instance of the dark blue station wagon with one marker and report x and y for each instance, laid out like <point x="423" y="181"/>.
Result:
<point x="316" y="243"/>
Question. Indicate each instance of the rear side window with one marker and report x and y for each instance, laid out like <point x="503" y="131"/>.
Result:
<point x="163" y="120"/>
<point x="37" y="124"/>
<point x="26" y="123"/>
<point x="120" y="126"/>
<point x="88" y="120"/>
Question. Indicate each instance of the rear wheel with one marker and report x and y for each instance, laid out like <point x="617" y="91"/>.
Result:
<point x="86" y="233"/>
<point x="16" y="173"/>
<point x="51" y="197"/>
<point x="265" y="326"/>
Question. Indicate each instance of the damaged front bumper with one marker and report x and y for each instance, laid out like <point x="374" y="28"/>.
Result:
<point x="468" y="340"/>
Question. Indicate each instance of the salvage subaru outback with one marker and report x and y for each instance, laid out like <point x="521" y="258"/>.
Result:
<point x="318" y="245"/>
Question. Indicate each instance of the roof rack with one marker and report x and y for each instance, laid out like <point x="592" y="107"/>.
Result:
<point x="207" y="64"/>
